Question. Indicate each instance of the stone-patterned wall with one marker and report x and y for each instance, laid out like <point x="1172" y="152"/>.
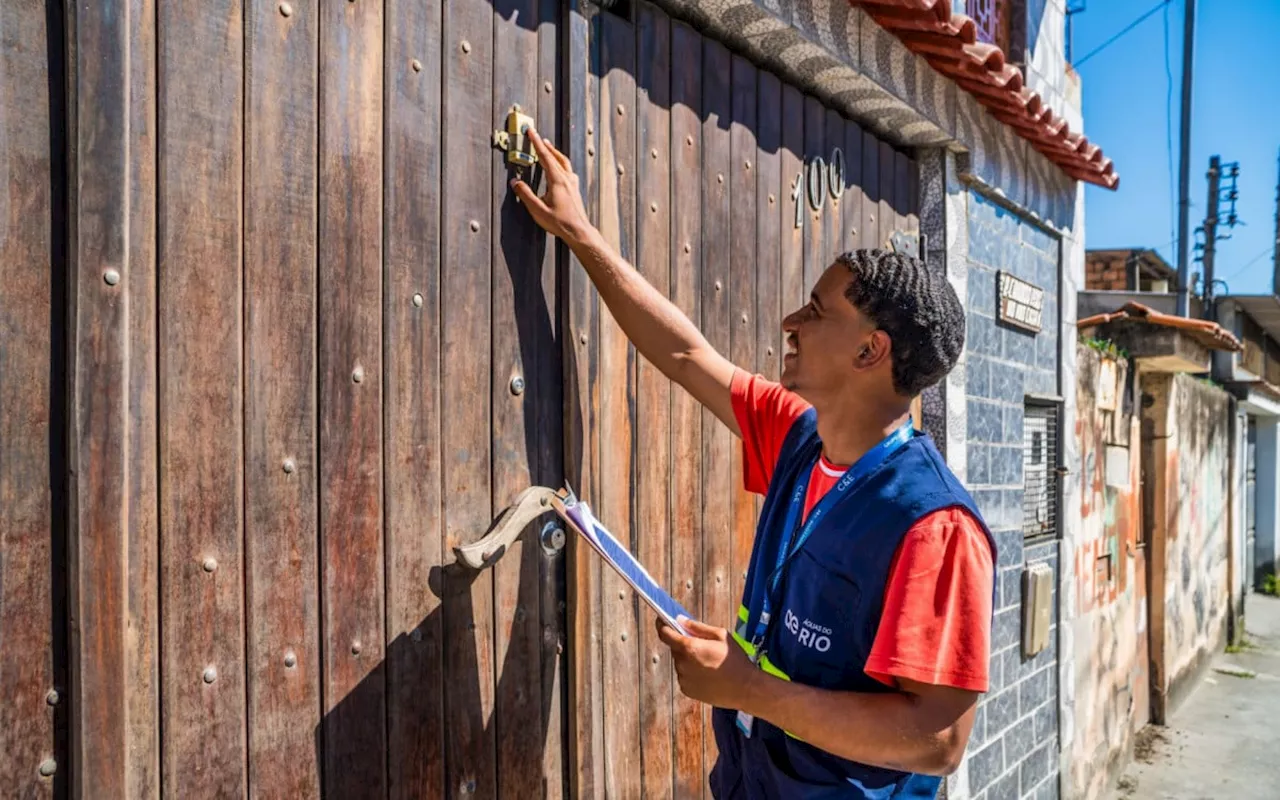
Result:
<point x="1189" y="550"/>
<point x="1013" y="750"/>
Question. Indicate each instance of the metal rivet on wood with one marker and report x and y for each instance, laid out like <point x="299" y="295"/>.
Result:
<point x="48" y="767"/>
<point x="853" y="231"/>
<point x="688" y="140"/>
<point x="517" y="385"/>
<point x="289" y="466"/>
<point x="475" y="225"/>
<point x="654" y="658"/>
<point x="286" y="10"/>
<point x="719" y="579"/>
<point x="356" y="647"/>
<point x="653" y="153"/>
<point x="546" y="87"/>
<point x="871" y="217"/>
<point x="718" y="286"/>
<point x="111" y="276"/>
<point x="210" y="564"/>
<point x="688" y="584"/>
<point x="771" y="199"/>
<point x="582" y="337"/>
<point x="416" y="635"/>
<point x="746" y="165"/>
<point x="624" y="636"/>
<point x="653" y="207"/>
<point x="210" y="674"/>
<point x="471" y="626"/>
<point x="621" y="594"/>
<point x="416" y="64"/>
<point x="357" y="374"/>
<point x="417" y="300"/>
<point x="468" y="787"/>
<point x="590" y="130"/>
<point x="768" y="351"/>
<point x="744" y="319"/>
<point x="719" y="177"/>
<point x="620" y="109"/>
<point x="466" y="46"/>
<point x="591" y="151"/>
<point x="290" y="659"/>
<point x="52" y="697"/>
<point x="687" y="248"/>
<point x="622" y="170"/>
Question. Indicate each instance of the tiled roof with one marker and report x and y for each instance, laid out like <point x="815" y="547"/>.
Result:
<point x="1210" y="334"/>
<point x="949" y="43"/>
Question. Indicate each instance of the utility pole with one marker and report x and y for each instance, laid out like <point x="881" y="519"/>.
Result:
<point x="1275" y="258"/>
<point x="1184" y="160"/>
<point x="1217" y="171"/>
<point x="1211" y="233"/>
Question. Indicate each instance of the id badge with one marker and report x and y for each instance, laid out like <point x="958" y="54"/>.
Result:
<point x="745" y="722"/>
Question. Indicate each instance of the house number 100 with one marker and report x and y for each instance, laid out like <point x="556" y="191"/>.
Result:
<point x="816" y="181"/>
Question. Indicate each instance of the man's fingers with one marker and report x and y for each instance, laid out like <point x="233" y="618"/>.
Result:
<point x="546" y="155"/>
<point x="528" y="196"/>
<point x="701" y="630"/>
<point x="669" y="635"/>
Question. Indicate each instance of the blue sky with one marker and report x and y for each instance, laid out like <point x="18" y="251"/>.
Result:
<point x="1235" y="114"/>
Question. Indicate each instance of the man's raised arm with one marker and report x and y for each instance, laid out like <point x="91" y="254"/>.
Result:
<point x="658" y="329"/>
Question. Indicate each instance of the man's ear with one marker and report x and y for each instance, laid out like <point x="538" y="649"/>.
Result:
<point x="873" y="350"/>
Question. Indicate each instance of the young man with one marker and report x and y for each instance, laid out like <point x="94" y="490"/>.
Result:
<point x="861" y="645"/>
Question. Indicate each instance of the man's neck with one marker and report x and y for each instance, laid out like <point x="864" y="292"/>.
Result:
<point x="848" y="430"/>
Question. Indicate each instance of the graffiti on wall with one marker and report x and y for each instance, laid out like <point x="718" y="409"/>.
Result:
<point x="1110" y="631"/>
<point x="1197" y="464"/>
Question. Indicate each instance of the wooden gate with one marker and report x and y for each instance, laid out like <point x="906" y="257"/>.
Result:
<point x="275" y="337"/>
<point x="731" y="191"/>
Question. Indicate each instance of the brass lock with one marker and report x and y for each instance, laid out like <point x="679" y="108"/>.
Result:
<point x="514" y="141"/>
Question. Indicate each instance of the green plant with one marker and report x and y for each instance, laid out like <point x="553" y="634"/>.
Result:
<point x="1106" y="347"/>
<point x="1271" y="585"/>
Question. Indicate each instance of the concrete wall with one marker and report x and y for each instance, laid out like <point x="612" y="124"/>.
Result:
<point x="1187" y="423"/>
<point x="1109" y="567"/>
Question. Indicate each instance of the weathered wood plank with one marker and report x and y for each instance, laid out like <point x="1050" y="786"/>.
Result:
<point x="517" y="305"/>
<point x="350" y="369"/>
<point x="412" y="420"/>
<point x="142" y="670"/>
<point x="717" y="442"/>
<point x="911" y="203"/>
<point x="200" y="300"/>
<point x="617" y="223"/>
<point x="653" y="390"/>
<point x="794" y="288"/>
<point x="32" y="309"/>
<point x="770" y="220"/>
<point x="281" y="523"/>
<point x="888" y="219"/>
<point x="815" y="222"/>
<point x="580" y="426"/>
<point x="742" y="299"/>
<point x="548" y="413"/>
<point x="870" y="234"/>
<point x="853" y="193"/>
<point x="465" y="321"/>
<point x="686" y="415"/>
<point x="835" y="200"/>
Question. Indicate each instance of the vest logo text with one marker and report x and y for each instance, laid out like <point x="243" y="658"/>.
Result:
<point x="809" y="634"/>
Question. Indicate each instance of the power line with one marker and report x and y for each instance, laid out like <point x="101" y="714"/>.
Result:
<point x="1126" y="29"/>
<point x="1250" y="263"/>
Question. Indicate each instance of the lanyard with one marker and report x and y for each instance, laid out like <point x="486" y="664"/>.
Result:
<point x="864" y="466"/>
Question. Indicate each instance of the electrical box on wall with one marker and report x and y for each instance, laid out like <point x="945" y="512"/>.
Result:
<point x="1037" y="608"/>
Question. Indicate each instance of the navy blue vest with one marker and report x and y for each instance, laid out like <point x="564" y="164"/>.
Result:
<point x="827" y="614"/>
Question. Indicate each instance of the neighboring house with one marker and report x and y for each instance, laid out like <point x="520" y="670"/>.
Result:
<point x="1253" y="377"/>
<point x="1115" y="276"/>
<point x="307" y="343"/>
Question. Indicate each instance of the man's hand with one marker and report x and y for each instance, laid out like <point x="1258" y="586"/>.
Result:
<point x="559" y="210"/>
<point x="710" y="667"/>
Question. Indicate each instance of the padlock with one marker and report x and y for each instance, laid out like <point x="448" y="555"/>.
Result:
<point x="514" y="139"/>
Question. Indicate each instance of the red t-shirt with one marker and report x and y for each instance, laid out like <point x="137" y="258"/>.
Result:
<point x="936" y="623"/>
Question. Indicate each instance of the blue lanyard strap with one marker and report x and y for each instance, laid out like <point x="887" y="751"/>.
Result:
<point x="852" y="477"/>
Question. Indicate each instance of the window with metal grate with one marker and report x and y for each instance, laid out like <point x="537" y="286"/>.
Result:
<point x="1040" y="453"/>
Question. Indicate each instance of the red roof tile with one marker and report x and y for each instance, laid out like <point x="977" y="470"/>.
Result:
<point x="1210" y="334"/>
<point x="949" y="43"/>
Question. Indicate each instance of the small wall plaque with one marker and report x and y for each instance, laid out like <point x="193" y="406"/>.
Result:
<point x="1021" y="303"/>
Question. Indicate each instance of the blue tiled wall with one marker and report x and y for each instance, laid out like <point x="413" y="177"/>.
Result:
<point x="1014" y="746"/>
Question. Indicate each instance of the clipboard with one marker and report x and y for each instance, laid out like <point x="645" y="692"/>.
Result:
<point x="577" y="515"/>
